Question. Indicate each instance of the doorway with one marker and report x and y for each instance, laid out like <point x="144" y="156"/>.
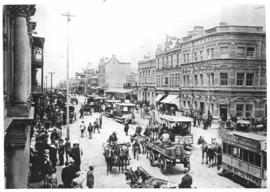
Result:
<point x="223" y="112"/>
<point x="202" y="107"/>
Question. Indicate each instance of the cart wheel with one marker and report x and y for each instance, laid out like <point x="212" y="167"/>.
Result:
<point x="152" y="159"/>
<point x="163" y="165"/>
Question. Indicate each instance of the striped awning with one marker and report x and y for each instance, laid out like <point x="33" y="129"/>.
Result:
<point x="157" y="99"/>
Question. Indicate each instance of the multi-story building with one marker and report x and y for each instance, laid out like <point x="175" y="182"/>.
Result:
<point x="131" y="80"/>
<point x="221" y="70"/>
<point x="147" y="80"/>
<point x="22" y="57"/>
<point x="112" y="72"/>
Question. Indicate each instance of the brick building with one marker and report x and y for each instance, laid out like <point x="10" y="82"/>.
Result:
<point x="147" y="80"/>
<point x="221" y="70"/>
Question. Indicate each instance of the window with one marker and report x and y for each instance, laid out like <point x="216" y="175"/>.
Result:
<point x="223" y="78"/>
<point x="229" y="150"/>
<point x="196" y="80"/>
<point x="250" y="52"/>
<point x="249" y="110"/>
<point x="184" y="58"/>
<point x="177" y="59"/>
<point x="225" y="148"/>
<point x="201" y="76"/>
<point x="224" y="52"/>
<point x="245" y="155"/>
<point x="195" y="56"/>
<point x="249" y="79"/>
<point x="208" y="54"/>
<point x="208" y="79"/>
<point x="166" y="80"/>
<point x="188" y="103"/>
<point x="241" y="52"/>
<point x="212" y="53"/>
<point x="171" y="60"/>
<point x="240" y="78"/>
<point x="251" y="157"/>
<point x="187" y="57"/>
<point x="184" y="103"/>
<point x="257" y="160"/>
<point x="188" y="80"/>
<point x="212" y="79"/>
<point x="239" y="110"/>
<point x="184" y="77"/>
<point x="201" y="54"/>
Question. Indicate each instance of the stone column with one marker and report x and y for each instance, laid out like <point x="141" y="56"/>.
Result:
<point x="22" y="58"/>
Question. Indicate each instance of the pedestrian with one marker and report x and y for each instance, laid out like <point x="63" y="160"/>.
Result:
<point x="90" y="130"/>
<point x="45" y="165"/>
<point x="81" y="113"/>
<point x="82" y="128"/>
<point x="90" y="177"/>
<point x="76" y="153"/>
<point x="96" y="126"/>
<point x="67" y="175"/>
<point x="67" y="148"/>
<point x="186" y="182"/>
<point x="53" y="154"/>
<point x="61" y="151"/>
<point x="100" y="121"/>
<point x="126" y="128"/>
<point x="51" y="178"/>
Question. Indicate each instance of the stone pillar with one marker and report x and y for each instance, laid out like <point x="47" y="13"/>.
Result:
<point x="22" y="59"/>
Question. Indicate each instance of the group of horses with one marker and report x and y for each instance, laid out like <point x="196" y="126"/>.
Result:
<point x="211" y="153"/>
<point x="116" y="155"/>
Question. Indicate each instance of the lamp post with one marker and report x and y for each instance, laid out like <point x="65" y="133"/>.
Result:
<point x="68" y="16"/>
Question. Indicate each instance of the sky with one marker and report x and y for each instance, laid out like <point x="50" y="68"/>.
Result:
<point x="129" y="29"/>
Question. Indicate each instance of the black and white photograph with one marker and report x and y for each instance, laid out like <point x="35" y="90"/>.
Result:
<point x="113" y="94"/>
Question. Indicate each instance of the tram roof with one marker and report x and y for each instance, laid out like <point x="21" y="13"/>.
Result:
<point x="176" y="119"/>
<point x="126" y="104"/>
<point x="252" y="136"/>
<point x="113" y="101"/>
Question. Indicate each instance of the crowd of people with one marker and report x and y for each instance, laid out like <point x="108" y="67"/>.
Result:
<point x="49" y="150"/>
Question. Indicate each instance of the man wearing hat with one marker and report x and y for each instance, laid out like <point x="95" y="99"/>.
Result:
<point x="90" y="177"/>
<point x="67" y="148"/>
<point x="186" y="182"/>
<point x="61" y="151"/>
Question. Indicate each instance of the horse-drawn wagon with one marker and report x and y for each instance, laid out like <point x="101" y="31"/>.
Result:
<point x="140" y="178"/>
<point x="168" y="154"/>
<point x="117" y="155"/>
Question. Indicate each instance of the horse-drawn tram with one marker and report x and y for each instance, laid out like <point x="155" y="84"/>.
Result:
<point x="244" y="156"/>
<point x="124" y="112"/>
<point x="179" y="128"/>
<point x="110" y="106"/>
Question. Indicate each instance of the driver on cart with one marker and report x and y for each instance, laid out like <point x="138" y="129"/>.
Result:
<point x="165" y="137"/>
<point x="113" y="138"/>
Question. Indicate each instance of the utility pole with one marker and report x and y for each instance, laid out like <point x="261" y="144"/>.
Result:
<point x="68" y="16"/>
<point x="46" y="82"/>
<point x="52" y="73"/>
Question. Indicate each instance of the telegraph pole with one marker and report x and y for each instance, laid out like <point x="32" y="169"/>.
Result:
<point x="46" y="82"/>
<point x="51" y="73"/>
<point x="68" y="16"/>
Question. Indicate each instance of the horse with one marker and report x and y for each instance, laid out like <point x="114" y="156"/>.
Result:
<point x="111" y="159"/>
<point x="123" y="156"/>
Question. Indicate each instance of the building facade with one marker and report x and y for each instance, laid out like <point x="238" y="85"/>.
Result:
<point x="112" y="72"/>
<point x="221" y="70"/>
<point x="22" y="56"/>
<point x="147" y="80"/>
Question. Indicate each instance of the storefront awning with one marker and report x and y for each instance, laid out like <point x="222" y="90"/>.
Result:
<point x="119" y="90"/>
<point x="171" y="99"/>
<point x="157" y="99"/>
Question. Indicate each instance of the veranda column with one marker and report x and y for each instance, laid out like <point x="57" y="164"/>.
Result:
<point x="22" y="57"/>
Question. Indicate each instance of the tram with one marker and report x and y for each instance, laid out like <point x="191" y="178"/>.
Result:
<point x="244" y="156"/>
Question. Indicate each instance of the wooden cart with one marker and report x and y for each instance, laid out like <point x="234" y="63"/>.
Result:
<point x="168" y="155"/>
